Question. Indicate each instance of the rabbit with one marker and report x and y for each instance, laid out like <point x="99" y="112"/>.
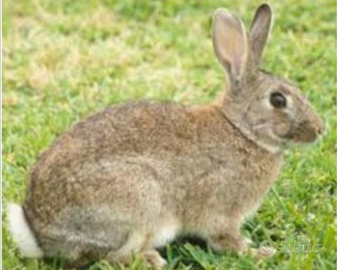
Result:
<point x="133" y="177"/>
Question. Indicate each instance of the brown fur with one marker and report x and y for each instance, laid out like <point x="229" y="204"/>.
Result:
<point x="130" y="178"/>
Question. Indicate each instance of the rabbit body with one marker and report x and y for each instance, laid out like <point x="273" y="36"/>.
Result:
<point x="134" y="176"/>
<point x="144" y="173"/>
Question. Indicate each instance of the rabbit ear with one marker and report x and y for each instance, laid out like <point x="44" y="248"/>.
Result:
<point x="259" y="32"/>
<point x="230" y="43"/>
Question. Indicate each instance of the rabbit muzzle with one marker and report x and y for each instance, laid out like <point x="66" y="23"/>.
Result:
<point x="304" y="131"/>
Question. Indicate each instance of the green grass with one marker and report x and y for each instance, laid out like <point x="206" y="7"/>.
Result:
<point x="65" y="59"/>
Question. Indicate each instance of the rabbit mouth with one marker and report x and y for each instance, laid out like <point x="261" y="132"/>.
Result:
<point x="288" y="133"/>
<point x="301" y="135"/>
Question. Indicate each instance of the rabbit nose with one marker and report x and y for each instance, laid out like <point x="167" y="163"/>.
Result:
<point x="320" y="128"/>
<point x="319" y="131"/>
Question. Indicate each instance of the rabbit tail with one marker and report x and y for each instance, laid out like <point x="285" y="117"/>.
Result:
<point x="21" y="232"/>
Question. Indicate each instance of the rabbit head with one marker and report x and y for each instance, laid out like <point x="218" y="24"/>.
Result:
<point x="266" y="108"/>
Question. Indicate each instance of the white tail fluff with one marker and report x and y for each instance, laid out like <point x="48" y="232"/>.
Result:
<point x="21" y="233"/>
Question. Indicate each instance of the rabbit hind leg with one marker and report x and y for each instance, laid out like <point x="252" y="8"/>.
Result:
<point x="137" y="247"/>
<point x="90" y="244"/>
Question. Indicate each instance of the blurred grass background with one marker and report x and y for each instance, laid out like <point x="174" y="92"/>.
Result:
<point x="65" y="59"/>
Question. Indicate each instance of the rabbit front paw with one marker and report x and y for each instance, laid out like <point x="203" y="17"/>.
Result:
<point x="154" y="259"/>
<point x="231" y="242"/>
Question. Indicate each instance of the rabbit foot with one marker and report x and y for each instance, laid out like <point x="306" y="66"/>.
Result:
<point x="81" y="263"/>
<point x="154" y="259"/>
<point x="235" y="243"/>
<point x="262" y="252"/>
<point x="150" y="257"/>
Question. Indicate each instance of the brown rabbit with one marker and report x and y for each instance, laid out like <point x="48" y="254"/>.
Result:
<point x="132" y="177"/>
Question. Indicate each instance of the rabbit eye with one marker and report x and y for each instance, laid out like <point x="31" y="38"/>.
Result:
<point x="278" y="100"/>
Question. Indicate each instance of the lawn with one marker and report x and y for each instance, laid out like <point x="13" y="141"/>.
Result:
<point x="63" y="60"/>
